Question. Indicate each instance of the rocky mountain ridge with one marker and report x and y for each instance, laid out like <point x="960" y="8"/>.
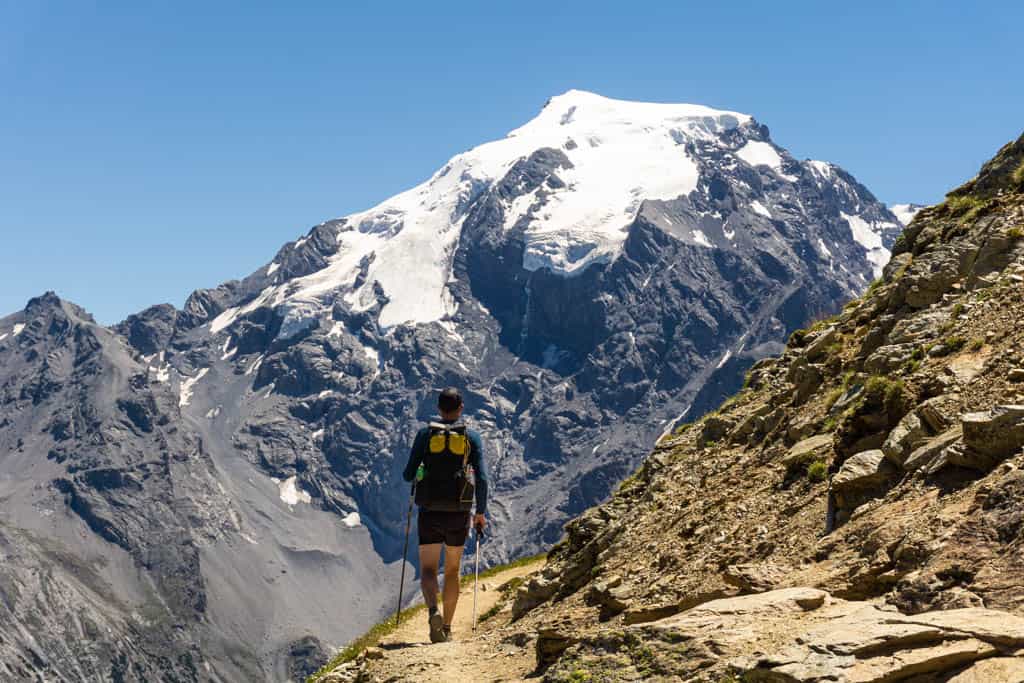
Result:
<point x="854" y="513"/>
<point x="604" y="272"/>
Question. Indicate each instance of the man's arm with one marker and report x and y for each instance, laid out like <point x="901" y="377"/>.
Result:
<point x="415" y="456"/>
<point x="480" y="473"/>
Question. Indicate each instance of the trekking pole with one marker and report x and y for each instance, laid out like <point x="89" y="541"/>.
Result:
<point x="405" y="553"/>
<point x="476" y="581"/>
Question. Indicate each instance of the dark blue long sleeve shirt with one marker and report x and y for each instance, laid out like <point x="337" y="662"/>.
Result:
<point x="476" y="459"/>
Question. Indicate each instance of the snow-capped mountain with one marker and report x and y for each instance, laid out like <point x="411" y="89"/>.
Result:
<point x="601" y="273"/>
<point x="905" y="212"/>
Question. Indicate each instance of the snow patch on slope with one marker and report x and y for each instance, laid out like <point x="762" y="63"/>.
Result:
<point x="185" y="395"/>
<point x="757" y="153"/>
<point x="760" y="208"/>
<point x="291" y="493"/>
<point x="864" y="233"/>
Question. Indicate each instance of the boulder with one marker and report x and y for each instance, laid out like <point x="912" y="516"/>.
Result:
<point x="923" y="455"/>
<point x="863" y="471"/>
<point x="554" y="638"/>
<point x="862" y="477"/>
<point x="610" y="595"/>
<point x="818" y="347"/>
<point x="805" y="378"/>
<point x="888" y="358"/>
<point x="534" y="592"/>
<point x="907" y="435"/>
<point x="998" y="432"/>
<point x="959" y="455"/>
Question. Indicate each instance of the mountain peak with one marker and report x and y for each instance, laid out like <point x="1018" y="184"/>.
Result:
<point x="587" y="112"/>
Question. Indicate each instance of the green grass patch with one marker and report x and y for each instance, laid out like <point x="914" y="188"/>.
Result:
<point x="882" y="392"/>
<point x="797" y="338"/>
<point x="831" y="397"/>
<point x="1015" y="233"/>
<point x="954" y="343"/>
<point x="976" y="344"/>
<point x="817" y="471"/>
<point x="1018" y="175"/>
<point x="966" y="207"/>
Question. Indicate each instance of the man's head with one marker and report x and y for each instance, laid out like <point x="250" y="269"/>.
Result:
<point x="449" y="403"/>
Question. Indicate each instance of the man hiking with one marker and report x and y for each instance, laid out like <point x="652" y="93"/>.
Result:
<point x="448" y="462"/>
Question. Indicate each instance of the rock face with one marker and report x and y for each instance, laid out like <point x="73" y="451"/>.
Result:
<point x="602" y="273"/>
<point x="806" y="636"/>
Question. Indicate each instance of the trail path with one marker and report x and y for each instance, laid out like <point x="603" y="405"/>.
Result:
<point x="480" y="657"/>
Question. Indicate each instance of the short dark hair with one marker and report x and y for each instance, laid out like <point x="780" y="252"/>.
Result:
<point x="450" y="400"/>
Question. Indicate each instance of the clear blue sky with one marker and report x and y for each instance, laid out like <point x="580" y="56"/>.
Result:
<point x="147" y="149"/>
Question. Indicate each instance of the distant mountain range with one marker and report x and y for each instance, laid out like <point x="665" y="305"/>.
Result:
<point x="181" y="490"/>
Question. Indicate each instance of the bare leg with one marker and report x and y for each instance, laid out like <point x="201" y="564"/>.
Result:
<point x="430" y="558"/>
<point x="452" y="558"/>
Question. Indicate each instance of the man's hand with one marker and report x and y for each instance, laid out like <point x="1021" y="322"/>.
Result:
<point x="479" y="522"/>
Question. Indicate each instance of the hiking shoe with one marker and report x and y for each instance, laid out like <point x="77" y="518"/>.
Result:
<point x="447" y="633"/>
<point x="437" y="628"/>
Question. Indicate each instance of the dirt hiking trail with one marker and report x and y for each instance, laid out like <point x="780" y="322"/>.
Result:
<point x="408" y="655"/>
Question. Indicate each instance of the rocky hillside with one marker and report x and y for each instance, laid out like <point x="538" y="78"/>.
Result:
<point x="854" y="513"/>
<point x="194" y="480"/>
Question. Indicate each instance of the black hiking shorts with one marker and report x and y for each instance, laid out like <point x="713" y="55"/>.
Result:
<point x="437" y="526"/>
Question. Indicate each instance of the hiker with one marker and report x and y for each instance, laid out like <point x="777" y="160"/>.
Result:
<point x="452" y="463"/>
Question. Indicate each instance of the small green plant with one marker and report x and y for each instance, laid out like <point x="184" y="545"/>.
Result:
<point x="875" y="284"/>
<point x="817" y="471"/>
<point x="1015" y="233"/>
<point x="1018" y="175"/>
<point x="831" y="397"/>
<point x="958" y="309"/>
<point x="911" y="366"/>
<point x="884" y="393"/>
<point x="976" y="344"/>
<point x="492" y="612"/>
<point x="966" y="207"/>
<point x="797" y="338"/>
<point x="954" y="343"/>
<point x="579" y="675"/>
